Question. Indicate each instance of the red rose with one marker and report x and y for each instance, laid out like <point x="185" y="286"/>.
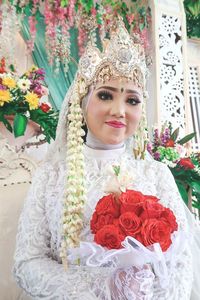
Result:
<point x="129" y="223"/>
<point x="169" y="143"/>
<point x="45" y="107"/>
<point x="109" y="236"/>
<point x="97" y="222"/>
<point x="108" y="205"/>
<point x="132" y="201"/>
<point x="156" y="231"/>
<point x="168" y="216"/>
<point x="186" y="163"/>
<point x="152" y="210"/>
<point x="151" y="198"/>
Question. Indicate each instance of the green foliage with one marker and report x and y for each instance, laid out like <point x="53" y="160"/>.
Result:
<point x="175" y="134"/>
<point x="183" y="191"/>
<point x="47" y="121"/>
<point x="192" y="10"/>
<point x="116" y="170"/>
<point x="19" y="126"/>
<point x="186" y="138"/>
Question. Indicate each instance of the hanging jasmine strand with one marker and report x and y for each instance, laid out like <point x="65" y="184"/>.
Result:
<point x="74" y="198"/>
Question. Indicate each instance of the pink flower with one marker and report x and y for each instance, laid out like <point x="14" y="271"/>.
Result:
<point x="130" y="18"/>
<point x="44" y="91"/>
<point x="181" y="150"/>
<point x="93" y="11"/>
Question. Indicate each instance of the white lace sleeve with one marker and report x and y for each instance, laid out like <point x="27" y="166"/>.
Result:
<point x="35" y="270"/>
<point x="181" y="273"/>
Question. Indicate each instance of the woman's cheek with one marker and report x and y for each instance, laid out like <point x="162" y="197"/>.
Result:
<point x="134" y="120"/>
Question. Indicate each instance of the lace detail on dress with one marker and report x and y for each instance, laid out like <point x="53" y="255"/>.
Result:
<point x="37" y="264"/>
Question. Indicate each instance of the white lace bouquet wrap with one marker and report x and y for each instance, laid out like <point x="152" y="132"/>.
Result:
<point x="133" y="253"/>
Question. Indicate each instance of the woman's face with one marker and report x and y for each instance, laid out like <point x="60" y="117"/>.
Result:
<point x="114" y="111"/>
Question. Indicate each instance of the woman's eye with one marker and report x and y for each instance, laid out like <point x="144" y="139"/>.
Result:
<point x="104" y="95"/>
<point x="133" y="101"/>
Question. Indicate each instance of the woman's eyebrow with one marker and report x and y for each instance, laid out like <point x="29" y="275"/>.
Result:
<point x="108" y="88"/>
<point x="117" y="90"/>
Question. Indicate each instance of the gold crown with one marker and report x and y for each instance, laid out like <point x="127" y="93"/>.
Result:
<point x="122" y="56"/>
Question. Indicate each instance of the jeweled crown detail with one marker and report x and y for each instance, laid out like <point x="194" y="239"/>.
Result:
<point x="122" y="56"/>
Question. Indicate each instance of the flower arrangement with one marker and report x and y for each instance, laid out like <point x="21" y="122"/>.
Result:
<point x="167" y="148"/>
<point x="21" y="97"/>
<point x="87" y="17"/>
<point x="131" y="213"/>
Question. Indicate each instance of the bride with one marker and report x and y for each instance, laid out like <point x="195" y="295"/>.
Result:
<point x="56" y="255"/>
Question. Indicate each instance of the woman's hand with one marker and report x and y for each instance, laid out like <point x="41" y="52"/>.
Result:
<point x="132" y="283"/>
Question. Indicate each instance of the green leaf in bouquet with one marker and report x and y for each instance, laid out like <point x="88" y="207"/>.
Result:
<point x="196" y="204"/>
<point x="5" y="122"/>
<point x="141" y="26"/>
<point x="182" y="191"/>
<point x="47" y="121"/>
<point x="64" y="3"/>
<point x="12" y="68"/>
<point x="186" y="138"/>
<point x="195" y="187"/>
<point x="19" y="126"/>
<point x="175" y="134"/>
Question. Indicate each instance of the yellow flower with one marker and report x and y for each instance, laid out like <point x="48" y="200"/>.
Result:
<point x="9" y="82"/>
<point x="33" y="68"/>
<point x="4" y="97"/>
<point x="32" y="100"/>
<point x="27" y="74"/>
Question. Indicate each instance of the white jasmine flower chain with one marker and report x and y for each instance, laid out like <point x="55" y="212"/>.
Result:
<point x="74" y="199"/>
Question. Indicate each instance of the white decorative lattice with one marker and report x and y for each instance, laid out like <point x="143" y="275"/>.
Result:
<point x="194" y="93"/>
<point x="172" y="107"/>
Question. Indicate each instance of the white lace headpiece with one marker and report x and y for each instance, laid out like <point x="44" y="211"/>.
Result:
<point x="122" y="57"/>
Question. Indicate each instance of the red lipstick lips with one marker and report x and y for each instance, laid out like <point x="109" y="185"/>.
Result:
<point x="115" y="124"/>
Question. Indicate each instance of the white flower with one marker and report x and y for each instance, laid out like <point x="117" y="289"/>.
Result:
<point x="169" y="163"/>
<point x="27" y="114"/>
<point x="118" y="183"/>
<point x="3" y="75"/>
<point x="125" y="181"/>
<point x="24" y="84"/>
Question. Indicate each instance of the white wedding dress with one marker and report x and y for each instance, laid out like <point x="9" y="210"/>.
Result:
<point x="38" y="269"/>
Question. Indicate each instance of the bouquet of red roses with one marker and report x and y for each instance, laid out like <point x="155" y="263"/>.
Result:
<point x="132" y="214"/>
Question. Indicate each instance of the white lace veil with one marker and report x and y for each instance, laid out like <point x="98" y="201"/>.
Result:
<point x="57" y="149"/>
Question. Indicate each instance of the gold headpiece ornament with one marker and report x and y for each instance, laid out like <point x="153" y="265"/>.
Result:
<point x="122" y="56"/>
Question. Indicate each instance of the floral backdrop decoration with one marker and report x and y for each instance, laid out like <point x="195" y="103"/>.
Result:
<point x="21" y="99"/>
<point x="91" y="19"/>
<point x="185" y="167"/>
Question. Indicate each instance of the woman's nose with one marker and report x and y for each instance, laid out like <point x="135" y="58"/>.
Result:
<point x="118" y="109"/>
